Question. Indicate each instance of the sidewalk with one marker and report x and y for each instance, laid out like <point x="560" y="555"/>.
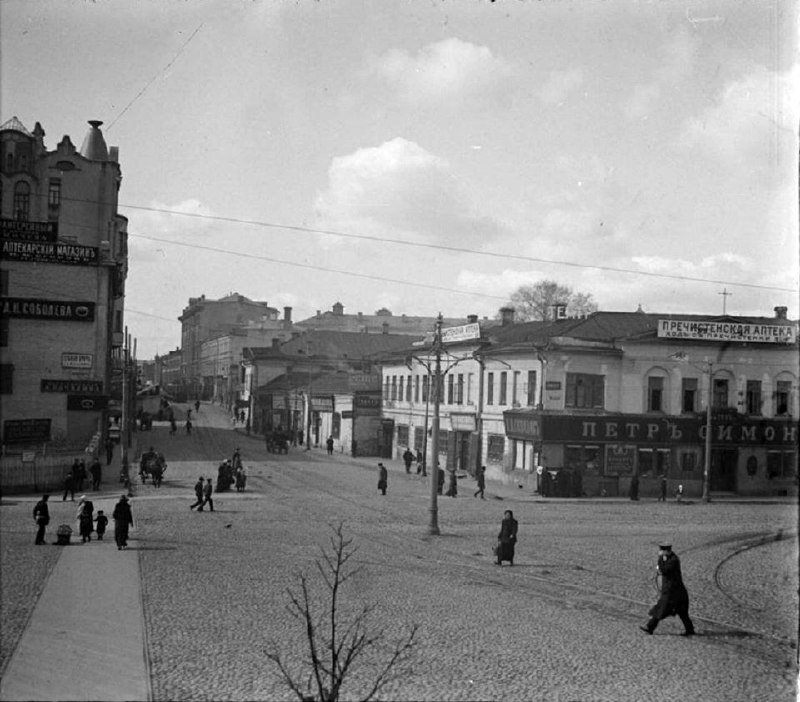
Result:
<point x="85" y="639"/>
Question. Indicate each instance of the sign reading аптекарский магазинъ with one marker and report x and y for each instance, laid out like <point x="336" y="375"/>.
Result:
<point x="48" y="252"/>
<point x="727" y="331"/>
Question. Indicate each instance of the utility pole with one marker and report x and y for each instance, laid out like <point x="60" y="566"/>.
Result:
<point x="707" y="462"/>
<point x="124" y="430"/>
<point x="433" y="526"/>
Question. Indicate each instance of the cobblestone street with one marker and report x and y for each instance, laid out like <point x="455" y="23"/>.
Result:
<point x="562" y="624"/>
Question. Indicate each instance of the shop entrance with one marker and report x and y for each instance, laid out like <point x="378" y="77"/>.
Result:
<point x="723" y="470"/>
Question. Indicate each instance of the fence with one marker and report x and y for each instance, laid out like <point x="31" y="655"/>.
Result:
<point x="42" y="474"/>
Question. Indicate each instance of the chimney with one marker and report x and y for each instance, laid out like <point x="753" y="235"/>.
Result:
<point x="506" y="316"/>
<point x="780" y="312"/>
<point x="472" y="318"/>
<point x="287" y="314"/>
<point x="319" y="313"/>
<point x="385" y="327"/>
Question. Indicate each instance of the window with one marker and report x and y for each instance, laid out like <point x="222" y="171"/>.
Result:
<point x="444" y="435"/>
<point x="470" y="377"/>
<point x="490" y="388"/>
<point x="753" y="397"/>
<point x="54" y="198"/>
<point x="408" y="388"/>
<point x="425" y="382"/>
<point x="4" y="325"/>
<point x="118" y="321"/>
<point x="782" y="390"/>
<point x="394" y="387"/>
<point x="416" y="389"/>
<point x="6" y="379"/>
<point x="531" y="388"/>
<point x="402" y="434"/>
<point x="689" y="395"/>
<point x="584" y="390"/>
<point x="688" y="462"/>
<point x="719" y="396"/>
<point x="386" y="395"/>
<point x="496" y="448"/>
<point x="655" y="394"/>
<point x="22" y="200"/>
<point x="504" y="388"/>
<point x="515" y="389"/>
<point x="460" y="389"/>
<point x="450" y="389"/>
<point x="584" y="458"/>
<point x="781" y="464"/>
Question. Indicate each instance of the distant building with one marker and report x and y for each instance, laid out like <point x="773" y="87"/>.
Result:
<point x="64" y="265"/>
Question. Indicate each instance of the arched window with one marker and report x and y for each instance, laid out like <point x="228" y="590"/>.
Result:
<point x="22" y="200"/>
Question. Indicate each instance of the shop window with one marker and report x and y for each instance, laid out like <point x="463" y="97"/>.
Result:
<point x="781" y="464"/>
<point x="402" y="435"/>
<point x="719" y="396"/>
<point x="6" y="379"/>
<point x="22" y="200"/>
<point x="688" y="462"/>
<point x="450" y="389"/>
<point x="419" y="437"/>
<point x="655" y="394"/>
<point x="490" y="388"/>
<point x="503" y="388"/>
<point x="753" y="397"/>
<point x="587" y="459"/>
<point x="531" y="388"/>
<point x="444" y="435"/>
<point x="460" y="389"/>
<point x="645" y="462"/>
<point x="585" y="391"/>
<point x="689" y="395"/>
<point x="782" y="390"/>
<point x="496" y="448"/>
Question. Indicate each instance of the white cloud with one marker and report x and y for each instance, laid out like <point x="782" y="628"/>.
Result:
<point x="447" y="71"/>
<point x="559" y="85"/>
<point x="399" y="189"/>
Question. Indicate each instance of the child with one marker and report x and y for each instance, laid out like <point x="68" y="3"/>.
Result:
<point x="102" y="521"/>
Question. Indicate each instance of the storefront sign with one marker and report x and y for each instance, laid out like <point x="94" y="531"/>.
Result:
<point x="77" y="360"/>
<point x="367" y="404"/>
<point x="465" y="332"/>
<point x="619" y="458"/>
<point x="322" y="403"/>
<point x="364" y="381"/>
<point x="347" y="414"/>
<point x="81" y="386"/>
<point x="87" y="403"/>
<point x="523" y="426"/>
<point x="59" y="310"/>
<point x="462" y="422"/>
<point x="727" y="331"/>
<point x="552" y="385"/>
<point x="47" y="252"/>
<point x="23" y="431"/>
<point x="28" y="231"/>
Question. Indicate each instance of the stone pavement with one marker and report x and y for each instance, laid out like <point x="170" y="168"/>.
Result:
<point x="85" y="639"/>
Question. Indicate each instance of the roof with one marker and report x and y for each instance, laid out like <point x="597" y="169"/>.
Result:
<point x="15" y="125"/>
<point x="324" y="383"/>
<point x="343" y="345"/>
<point x="396" y="324"/>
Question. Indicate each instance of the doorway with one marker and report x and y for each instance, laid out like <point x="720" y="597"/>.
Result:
<point x="723" y="470"/>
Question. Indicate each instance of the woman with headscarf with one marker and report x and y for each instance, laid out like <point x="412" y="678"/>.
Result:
<point x="123" y="520"/>
<point x="85" y="519"/>
<point x="507" y="538"/>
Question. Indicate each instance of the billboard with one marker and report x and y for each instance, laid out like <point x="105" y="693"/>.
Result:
<point x="727" y="331"/>
<point x="57" y="310"/>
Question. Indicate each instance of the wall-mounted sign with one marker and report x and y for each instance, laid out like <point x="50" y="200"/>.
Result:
<point x="23" y="431"/>
<point x="28" y="231"/>
<point x="60" y="310"/>
<point x="347" y="414"/>
<point x="727" y="331"/>
<point x="322" y="403"/>
<point x="77" y="360"/>
<point x="465" y="332"/>
<point x="552" y="385"/>
<point x="619" y="458"/>
<point x="522" y="425"/>
<point x="70" y="385"/>
<point x="48" y="252"/>
<point x="462" y="422"/>
<point x="364" y="381"/>
<point x="367" y="404"/>
<point x="87" y="403"/>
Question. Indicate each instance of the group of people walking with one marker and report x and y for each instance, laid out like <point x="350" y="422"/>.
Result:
<point x="77" y="473"/>
<point x="88" y="522"/>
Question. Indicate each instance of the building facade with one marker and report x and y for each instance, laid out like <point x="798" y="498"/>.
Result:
<point x="64" y="265"/>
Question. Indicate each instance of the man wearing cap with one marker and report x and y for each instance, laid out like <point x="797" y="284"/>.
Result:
<point x="198" y="493"/>
<point x="674" y="598"/>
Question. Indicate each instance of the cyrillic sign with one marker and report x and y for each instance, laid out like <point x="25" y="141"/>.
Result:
<point x="28" y="231"/>
<point x="47" y="252"/>
<point x="70" y="385"/>
<point x="465" y="332"/>
<point x="77" y="360"/>
<point x="23" y="431"/>
<point x="364" y="381"/>
<point x="727" y="331"/>
<point x="462" y="422"/>
<point x="367" y="404"/>
<point x="60" y="310"/>
<point x="87" y="403"/>
<point x="322" y="403"/>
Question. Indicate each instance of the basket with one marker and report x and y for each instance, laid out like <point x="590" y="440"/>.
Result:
<point x="63" y="534"/>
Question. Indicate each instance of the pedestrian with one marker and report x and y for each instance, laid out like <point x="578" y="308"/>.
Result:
<point x="241" y="416"/>
<point x="674" y="597"/>
<point x="480" y="476"/>
<point x="41" y="515"/>
<point x="189" y="413"/>
<point x="123" y="521"/>
<point x="198" y="493"/>
<point x="634" y="491"/>
<point x="173" y="427"/>
<point x="452" y="484"/>
<point x="329" y="445"/>
<point x="439" y="480"/>
<point x="408" y="459"/>
<point x="300" y="436"/>
<point x="663" y="496"/>
<point x="420" y="463"/>
<point x="507" y="538"/>
<point x="80" y="474"/>
<point x="679" y="493"/>
<point x="383" y="478"/>
<point x="197" y="406"/>
<point x="241" y="479"/>
<point x="102" y="523"/>
<point x="85" y="519"/>
<point x="96" y="471"/>
<point x="188" y="426"/>
<point x="236" y="461"/>
<point x="69" y="487"/>
<point x="207" y="490"/>
<point x="109" y="451"/>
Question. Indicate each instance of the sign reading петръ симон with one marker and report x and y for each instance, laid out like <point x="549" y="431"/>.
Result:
<point x="727" y="331"/>
<point x="47" y="252"/>
<point x="59" y="310"/>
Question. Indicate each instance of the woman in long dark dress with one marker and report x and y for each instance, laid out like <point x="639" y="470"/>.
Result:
<point x="507" y="538"/>
<point x="123" y="520"/>
<point x="85" y="519"/>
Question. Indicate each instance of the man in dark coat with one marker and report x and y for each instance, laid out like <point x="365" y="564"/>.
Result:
<point x="674" y="598"/>
<point x="408" y="459"/>
<point x="123" y="520"/>
<point x="41" y="515"/>
<point x="97" y="473"/>
<point x="383" y="478"/>
<point x="480" y="476"/>
<point x="507" y="538"/>
<point x="69" y="486"/>
<point x="198" y="493"/>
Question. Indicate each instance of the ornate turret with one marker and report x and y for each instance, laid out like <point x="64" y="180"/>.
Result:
<point x="94" y="145"/>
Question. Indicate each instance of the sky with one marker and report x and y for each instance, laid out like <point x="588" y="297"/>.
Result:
<point x="430" y="156"/>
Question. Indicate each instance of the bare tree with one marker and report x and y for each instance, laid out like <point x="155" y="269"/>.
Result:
<point x="537" y="301"/>
<point x="335" y="646"/>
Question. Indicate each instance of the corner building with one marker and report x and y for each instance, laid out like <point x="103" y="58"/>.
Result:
<point x="64" y="265"/>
